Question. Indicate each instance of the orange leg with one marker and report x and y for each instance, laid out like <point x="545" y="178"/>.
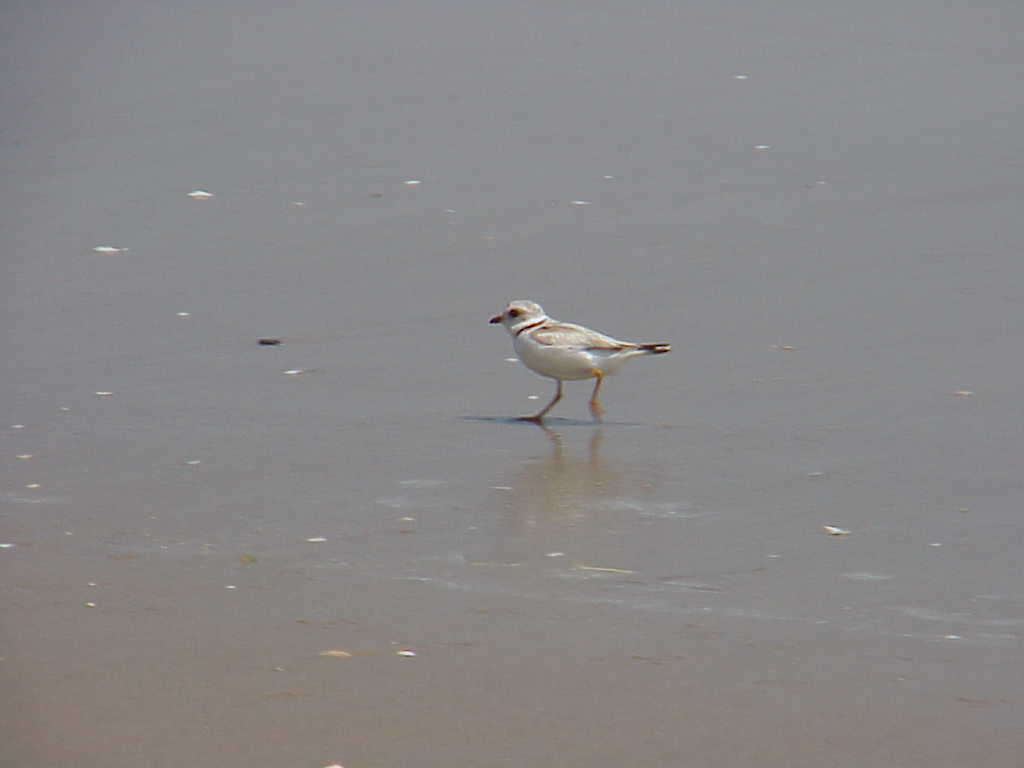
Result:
<point x="595" y="405"/>
<point x="538" y="417"/>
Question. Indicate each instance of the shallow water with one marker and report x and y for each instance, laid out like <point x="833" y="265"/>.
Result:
<point x="830" y="244"/>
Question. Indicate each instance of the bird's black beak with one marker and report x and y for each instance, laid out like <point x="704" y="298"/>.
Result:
<point x="495" y="319"/>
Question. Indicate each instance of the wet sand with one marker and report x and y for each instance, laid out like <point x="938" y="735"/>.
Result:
<point x="816" y="205"/>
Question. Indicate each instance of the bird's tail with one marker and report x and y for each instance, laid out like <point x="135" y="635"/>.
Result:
<point x="656" y="349"/>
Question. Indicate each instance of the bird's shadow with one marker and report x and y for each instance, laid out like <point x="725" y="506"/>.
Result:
<point x="552" y="422"/>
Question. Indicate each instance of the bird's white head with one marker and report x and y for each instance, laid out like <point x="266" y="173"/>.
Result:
<point x="518" y="314"/>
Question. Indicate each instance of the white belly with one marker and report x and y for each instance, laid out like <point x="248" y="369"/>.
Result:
<point x="567" y="364"/>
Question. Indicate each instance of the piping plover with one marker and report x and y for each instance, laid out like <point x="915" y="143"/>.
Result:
<point x="566" y="352"/>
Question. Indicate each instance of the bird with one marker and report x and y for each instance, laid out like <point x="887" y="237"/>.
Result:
<point x="566" y="352"/>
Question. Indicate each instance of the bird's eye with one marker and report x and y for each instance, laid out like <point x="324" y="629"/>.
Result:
<point x="513" y="313"/>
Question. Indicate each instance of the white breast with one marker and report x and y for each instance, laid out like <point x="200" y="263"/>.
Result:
<point x="566" y="363"/>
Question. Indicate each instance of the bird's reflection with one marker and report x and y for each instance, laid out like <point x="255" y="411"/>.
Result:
<point x="547" y="505"/>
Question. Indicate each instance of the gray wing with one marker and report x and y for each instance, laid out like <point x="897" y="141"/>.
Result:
<point x="569" y="335"/>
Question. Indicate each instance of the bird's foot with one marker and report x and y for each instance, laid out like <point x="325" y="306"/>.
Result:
<point x="531" y="419"/>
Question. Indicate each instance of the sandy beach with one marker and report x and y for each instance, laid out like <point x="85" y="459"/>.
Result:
<point x="795" y="541"/>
